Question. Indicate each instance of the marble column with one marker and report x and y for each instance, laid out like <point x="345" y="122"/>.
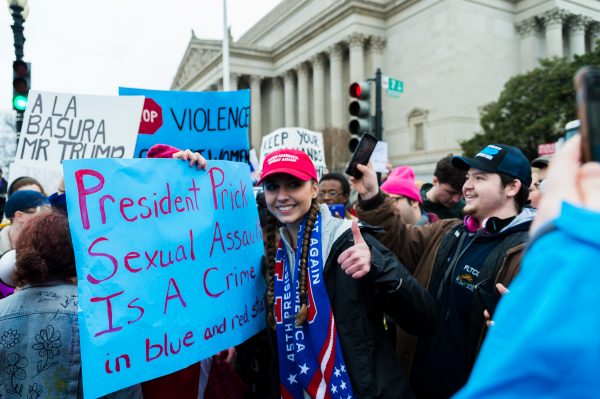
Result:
<point x="577" y="35"/>
<point x="233" y="81"/>
<point x="553" y="22"/>
<point x="255" y="112"/>
<point x="357" y="57"/>
<point x="528" y="43"/>
<point x="303" y="99"/>
<point x="318" y="65"/>
<point x="337" y="86"/>
<point x="277" y="119"/>
<point x="290" y="97"/>
<point x="376" y="46"/>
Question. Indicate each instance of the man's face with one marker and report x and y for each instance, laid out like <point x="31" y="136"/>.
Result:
<point x="534" y="190"/>
<point x="331" y="192"/>
<point x="485" y="197"/>
<point x="22" y="217"/>
<point x="445" y="194"/>
<point x="410" y="212"/>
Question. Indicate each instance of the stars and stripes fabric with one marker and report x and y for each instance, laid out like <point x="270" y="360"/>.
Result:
<point x="310" y="356"/>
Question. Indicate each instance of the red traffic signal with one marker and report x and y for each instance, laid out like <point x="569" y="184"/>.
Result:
<point x="360" y="108"/>
<point x="361" y="90"/>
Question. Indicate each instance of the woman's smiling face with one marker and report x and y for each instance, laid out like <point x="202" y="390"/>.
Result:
<point x="289" y="198"/>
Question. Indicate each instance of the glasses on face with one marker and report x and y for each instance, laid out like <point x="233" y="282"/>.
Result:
<point x="330" y="193"/>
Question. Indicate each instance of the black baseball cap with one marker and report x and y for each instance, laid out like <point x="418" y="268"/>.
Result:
<point x="498" y="158"/>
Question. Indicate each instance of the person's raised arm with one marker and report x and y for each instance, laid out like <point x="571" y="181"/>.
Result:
<point x="367" y="186"/>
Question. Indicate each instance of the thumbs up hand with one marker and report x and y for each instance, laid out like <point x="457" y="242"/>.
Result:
<point x="356" y="260"/>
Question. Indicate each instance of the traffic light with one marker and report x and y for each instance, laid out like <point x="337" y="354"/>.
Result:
<point x="360" y="108"/>
<point x="21" y="84"/>
<point x="353" y="143"/>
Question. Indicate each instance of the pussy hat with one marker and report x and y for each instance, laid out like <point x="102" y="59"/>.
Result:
<point x="291" y="162"/>
<point x="401" y="181"/>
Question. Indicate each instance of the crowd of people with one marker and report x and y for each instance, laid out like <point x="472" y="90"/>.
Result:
<point x="395" y="275"/>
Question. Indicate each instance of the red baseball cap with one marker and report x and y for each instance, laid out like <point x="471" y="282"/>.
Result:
<point x="291" y="162"/>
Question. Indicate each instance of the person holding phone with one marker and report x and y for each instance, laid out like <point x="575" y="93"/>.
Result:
<point x="334" y="191"/>
<point x="451" y="256"/>
<point x="328" y="283"/>
<point x="544" y="342"/>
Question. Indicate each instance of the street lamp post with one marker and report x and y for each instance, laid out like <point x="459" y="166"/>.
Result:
<point x="21" y="70"/>
<point x="19" y="10"/>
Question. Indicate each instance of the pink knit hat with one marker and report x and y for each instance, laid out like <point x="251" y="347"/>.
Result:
<point x="401" y="181"/>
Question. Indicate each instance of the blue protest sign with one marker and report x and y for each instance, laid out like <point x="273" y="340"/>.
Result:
<point x="168" y="265"/>
<point x="214" y="124"/>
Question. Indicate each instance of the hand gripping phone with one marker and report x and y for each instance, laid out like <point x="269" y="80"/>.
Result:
<point x="587" y="85"/>
<point x="489" y="295"/>
<point x="361" y="155"/>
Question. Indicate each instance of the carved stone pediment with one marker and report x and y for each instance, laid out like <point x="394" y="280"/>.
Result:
<point x="194" y="60"/>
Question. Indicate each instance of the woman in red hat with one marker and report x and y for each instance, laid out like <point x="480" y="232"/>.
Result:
<point x="329" y="283"/>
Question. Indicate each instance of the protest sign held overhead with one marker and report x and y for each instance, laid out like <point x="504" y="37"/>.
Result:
<point x="215" y="124"/>
<point x="380" y="158"/>
<point x="58" y="127"/>
<point x="168" y="265"/>
<point x="296" y="138"/>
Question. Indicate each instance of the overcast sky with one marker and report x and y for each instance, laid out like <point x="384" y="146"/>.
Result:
<point x="95" y="46"/>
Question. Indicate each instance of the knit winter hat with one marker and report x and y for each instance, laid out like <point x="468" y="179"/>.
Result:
<point x="23" y="200"/>
<point x="401" y="181"/>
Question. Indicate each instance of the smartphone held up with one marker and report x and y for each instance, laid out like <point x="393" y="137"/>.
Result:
<point x="587" y="86"/>
<point x="361" y="154"/>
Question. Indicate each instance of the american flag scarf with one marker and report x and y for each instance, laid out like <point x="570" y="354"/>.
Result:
<point x="310" y="356"/>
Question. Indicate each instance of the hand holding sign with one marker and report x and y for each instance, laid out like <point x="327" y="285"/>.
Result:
<point x="356" y="260"/>
<point x="194" y="157"/>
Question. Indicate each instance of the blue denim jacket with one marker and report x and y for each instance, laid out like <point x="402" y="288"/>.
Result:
<point x="39" y="344"/>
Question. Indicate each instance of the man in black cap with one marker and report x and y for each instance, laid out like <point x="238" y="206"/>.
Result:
<point x="451" y="256"/>
<point x="19" y="208"/>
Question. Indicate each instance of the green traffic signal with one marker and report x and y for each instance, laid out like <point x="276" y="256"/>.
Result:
<point x="21" y="84"/>
<point x="20" y="102"/>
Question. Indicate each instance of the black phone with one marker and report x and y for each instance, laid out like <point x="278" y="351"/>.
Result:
<point x="361" y="154"/>
<point x="587" y="85"/>
<point x="489" y="295"/>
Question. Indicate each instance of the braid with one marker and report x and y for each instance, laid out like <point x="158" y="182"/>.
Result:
<point x="310" y="222"/>
<point x="271" y="253"/>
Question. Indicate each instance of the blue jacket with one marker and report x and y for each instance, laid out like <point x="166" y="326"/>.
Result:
<point x="546" y="342"/>
<point x="39" y="345"/>
<point x="39" y="342"/>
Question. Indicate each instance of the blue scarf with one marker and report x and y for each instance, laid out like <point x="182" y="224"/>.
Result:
<point x="310" y="356"/>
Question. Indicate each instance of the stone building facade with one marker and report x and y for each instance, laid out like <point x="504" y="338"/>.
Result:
<point x="454" y="56"/>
